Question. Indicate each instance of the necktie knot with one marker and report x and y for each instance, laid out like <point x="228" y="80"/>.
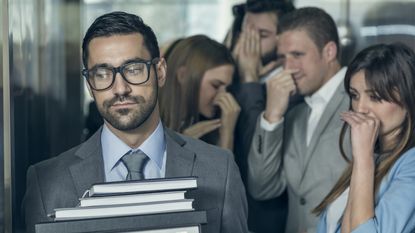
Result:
<point x="135" y="162"/>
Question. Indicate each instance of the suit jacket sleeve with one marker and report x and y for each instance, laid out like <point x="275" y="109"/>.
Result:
<point x="32" y="206"/>
<point x="235" y="209"/>
<point x="251" y="99"/>
<point x="266" y="177"/>
<point x="395" y="209"/>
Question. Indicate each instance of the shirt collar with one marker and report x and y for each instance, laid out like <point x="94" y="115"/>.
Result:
<point x="326" y="92"/>
<point x="113" y="148"/>
<point x="155" y="146"/>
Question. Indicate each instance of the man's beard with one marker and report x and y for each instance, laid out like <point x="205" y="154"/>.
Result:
<point x="136" y="116"/>
<point x="268" y="57"/>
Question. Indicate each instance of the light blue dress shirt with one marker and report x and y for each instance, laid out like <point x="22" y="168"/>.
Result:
<point x="113" y="149"/>
<point x="395" y="201"/>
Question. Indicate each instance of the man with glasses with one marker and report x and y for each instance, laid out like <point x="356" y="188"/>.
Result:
<point x="124" y="72"/>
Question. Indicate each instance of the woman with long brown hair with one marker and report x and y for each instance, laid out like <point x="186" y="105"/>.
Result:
<point x="194" y="100"/>
<point x="376" y="193"/>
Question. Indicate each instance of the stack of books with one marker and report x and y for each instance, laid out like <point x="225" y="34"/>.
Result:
<point x="131" y="198"/>
<point x="153" y="199"/>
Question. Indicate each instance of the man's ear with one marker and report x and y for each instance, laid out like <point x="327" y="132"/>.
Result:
<point x="91" y="93"/>
<point x="330" y="51"/>
<point x="161" y="69"/>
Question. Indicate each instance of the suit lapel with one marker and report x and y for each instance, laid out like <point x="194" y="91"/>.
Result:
<point x="301" y="133"/>
<point x="179" y="161"/>
<point x="329" y="112"/>
<point x="90" y="168"/>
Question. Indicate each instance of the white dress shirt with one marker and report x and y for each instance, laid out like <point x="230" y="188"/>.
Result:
<point x="319" y="100"/>
<point x="271" y="74"/>
<point x="114" y="148"/>
<point x="335" y="211"/>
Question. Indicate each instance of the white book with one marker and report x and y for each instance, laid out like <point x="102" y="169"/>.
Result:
<point x="191" y="229"/>
<point x="132" y="198"/>
<point x="122" y="210"/>
<point x="141" y="186"/>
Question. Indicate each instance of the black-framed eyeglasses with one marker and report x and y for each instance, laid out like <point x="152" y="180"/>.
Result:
<point x="134" y="72"/>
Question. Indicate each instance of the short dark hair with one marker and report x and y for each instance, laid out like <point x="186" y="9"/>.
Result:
<point x="319" y="25"/>
<point x="279" y="7"/>
<point x="119" y="23"/>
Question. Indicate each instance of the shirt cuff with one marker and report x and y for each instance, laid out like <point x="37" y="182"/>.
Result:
<point x="267" y="126"/>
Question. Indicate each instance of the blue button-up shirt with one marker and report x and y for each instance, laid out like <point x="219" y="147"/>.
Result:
<point x="114" y="148"/>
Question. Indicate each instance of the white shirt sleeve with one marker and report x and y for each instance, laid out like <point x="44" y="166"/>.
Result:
<point x="268" y="126"/>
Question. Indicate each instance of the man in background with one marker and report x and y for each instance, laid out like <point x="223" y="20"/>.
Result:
<point x="252" y="38"/>
<point x="297" y="149"/>
<point x="255" y="52"/>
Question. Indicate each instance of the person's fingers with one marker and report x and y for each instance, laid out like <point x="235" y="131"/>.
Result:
<point x="282" y="78"/>
<point x="285" y="73"/>
<point x="358" y="117"/>
<point x="346" y="118"/>
<point x="245" y="27"/>
<point x="246" y="42"/>
<point x="201" y="128"/>
<point x="228" y="101"/>
<point x="205" y="123"/>
<point x="230" y="104"/>
<point x="377" y="121"/>
<point x="252" y="41"/>
<point x="237" y="49"/>
<point x="353" y="119"/>
<point x="257" y="43"/>
<point x="232" y="100"/>
<point x="282" y="87"/>
<point x="268" y="67"/>
<point x="362" y="118"/>
<point x="218" y="97"/>
<point x="221" y="104"/>
<point x="288" y="87"/>
<point x="209" y="128"/>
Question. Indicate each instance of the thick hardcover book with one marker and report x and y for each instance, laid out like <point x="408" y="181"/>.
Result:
<point x="122" y="210"/>
<point x="141" y="186"/>
<point x="126" y="224"/>
<point x="132" y="198"/>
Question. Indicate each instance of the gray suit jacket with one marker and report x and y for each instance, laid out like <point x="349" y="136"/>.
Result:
<point x="280" y="159"/>
<point x="60" y="181"/>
